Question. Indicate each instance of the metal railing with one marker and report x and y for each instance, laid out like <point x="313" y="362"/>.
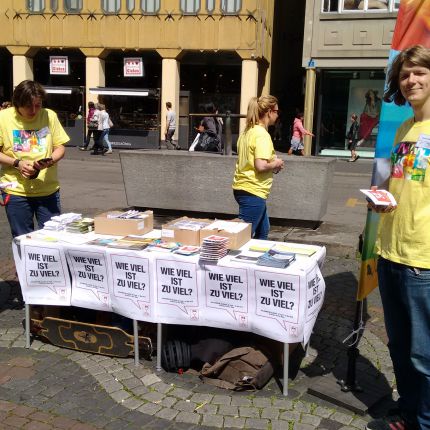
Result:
<point x="226" y="117"/>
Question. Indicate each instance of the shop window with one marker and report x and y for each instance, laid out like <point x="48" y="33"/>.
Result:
<point x="360" y="5"/>
<point x="36" y="6"/>
<point x="190" y="6"/>
<point x="231" y="7"/>
<point x="210" y="6"/>
<point x="130" y="5"/>
<point x="150" y="6"/>
<point x="72" y="6"/>
<point x="111" y="6"/>
<point x="54" y="5"/>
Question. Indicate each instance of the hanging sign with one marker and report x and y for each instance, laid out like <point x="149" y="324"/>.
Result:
<point x="58" y="65"/>
<point x="133" y="67"/>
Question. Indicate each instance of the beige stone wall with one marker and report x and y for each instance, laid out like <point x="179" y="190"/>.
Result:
<point x="344" y="40"/>
<point x="250" y="33"/>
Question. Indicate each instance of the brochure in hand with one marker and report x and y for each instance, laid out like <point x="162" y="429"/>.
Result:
<point x="380" y="197"/>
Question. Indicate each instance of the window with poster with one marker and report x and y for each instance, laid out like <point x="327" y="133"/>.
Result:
<point x="344" y="6"/>
<point x="357" y="92"/>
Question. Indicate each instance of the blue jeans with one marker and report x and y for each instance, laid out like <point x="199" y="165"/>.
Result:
<point x="21" y="210"/>
<point x="105" y="138"/>
<point x="405" y="294"/>
<point x="253" y="209"/>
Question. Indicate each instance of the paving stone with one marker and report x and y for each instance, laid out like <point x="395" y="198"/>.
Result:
<point x="201" y="398"/>
<point x="150" y="379"/>
<point x="132" y="403"/>
<point x="140" y="390"/>
<point x="206" y="409"/>
<point x="359" y="423"/>
<point x="342" y="418"/>
<point x="302" y="407"/>
<point x="168" y="401"/>
<point x="228" y="410"/>
<point x="249" y="412"/>
<point x="36" y="425"/>
<point x="270" y="413"/>
<point x="185" y="406"/>
<point x="240" y="401"/>
<point x="290" y="416"/>
<point x="120" y="396"/>
<point x="187" y="417"/>
<point x="149" y="408"/>
<point x="300" y="426"/>
<point x="283" y="404"/>
<point x="153" y="397"/>
<point x="262" y="402"/>
<point x="238" y="423"/>
<point x="180" y="393"/>
<point x="111" y="386"/>
<point x="161" y="387"/>
<point x="310" y="419"/>
<point x="257" y="423"/>
<point x="213" y="421"/>
<point x="323" y="412"/>
<point x="221" y="400"/>
<point x="167" y="413"/>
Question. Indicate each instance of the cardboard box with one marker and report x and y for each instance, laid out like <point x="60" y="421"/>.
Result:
<point x="236" y="240"/>
<point x="123" y="227"/>
<point x="170" y="233"/>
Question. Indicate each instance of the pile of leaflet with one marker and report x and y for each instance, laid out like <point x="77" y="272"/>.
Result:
<point x="213" y="248"/>
<point x="276" y="258"/>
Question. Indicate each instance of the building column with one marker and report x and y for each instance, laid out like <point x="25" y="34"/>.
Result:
<point x="249" y="87"/>
<point x="22" y="63"/>
<point x="309" y="107"/>
<point x="94" y="76"/>
<point x="170" y="81"/>
<point x="22" y="67"/>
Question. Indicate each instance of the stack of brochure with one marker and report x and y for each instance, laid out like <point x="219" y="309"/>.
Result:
<point x="163" y="246"/>
<point x="276" y="258"/>
<point x="213" y="248"/>
<point x="82" y="226"/>
<point x="59" y="222"/>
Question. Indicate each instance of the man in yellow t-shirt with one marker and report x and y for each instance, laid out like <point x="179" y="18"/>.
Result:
<point x="403" y="244"/>
<point x="256" y="163"/>
<point x="31" y="144"/>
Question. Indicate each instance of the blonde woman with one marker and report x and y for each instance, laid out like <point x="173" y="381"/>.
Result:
<point x="256" y="164"/>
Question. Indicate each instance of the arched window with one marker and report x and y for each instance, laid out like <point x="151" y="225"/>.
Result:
<point x="54" y="5"/>
<point x="111" y="6"/>
<point x="190" y="6"/>
<point x="36" y="5"/>
<point x="72" y="6"/>
<point x="210" y="6"/>
<point x="231" y="6"/>
<point x="150" y="6"/>
<point x="130" y="5"/>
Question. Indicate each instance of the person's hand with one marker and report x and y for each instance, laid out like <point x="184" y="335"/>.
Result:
<point x="43" y="164"/>
<point x="26" y="168"/>
<point x="380" y="208"/>
<point x="279" y="165"/>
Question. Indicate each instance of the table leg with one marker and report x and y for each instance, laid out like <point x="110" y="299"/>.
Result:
<point x="286" y="361"/>
<point x="136" y="343"/>
<point x="27" y="325"/>
<point x="159" y="345"/>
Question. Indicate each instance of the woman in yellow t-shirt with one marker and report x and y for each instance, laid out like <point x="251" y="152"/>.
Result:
<point x="256" y="164"/>
<point x="31" y="144"/>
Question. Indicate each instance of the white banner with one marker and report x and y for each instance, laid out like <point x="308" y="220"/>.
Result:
<point x="43" y="273"/>
<point x="281" y="304"/>
<point x="90" y="286"/>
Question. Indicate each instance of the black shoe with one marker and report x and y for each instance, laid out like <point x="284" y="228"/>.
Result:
<point x="83" y="148"/>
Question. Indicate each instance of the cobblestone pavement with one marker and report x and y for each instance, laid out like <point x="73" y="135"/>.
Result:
<point x="46" y="387"/>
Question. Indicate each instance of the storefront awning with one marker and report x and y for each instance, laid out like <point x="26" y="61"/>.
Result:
<point x="123" y="91"/>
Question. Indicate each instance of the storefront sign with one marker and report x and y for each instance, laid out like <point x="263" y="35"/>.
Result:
<point x="133" y="67"/>
<point x="58" y="65"/>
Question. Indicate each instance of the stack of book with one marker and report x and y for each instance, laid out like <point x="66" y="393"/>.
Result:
<point x="276" y="258"/>
<point x="82" y="226"/>
<point x="213" y="248"/>
<point x="59" y="222"/>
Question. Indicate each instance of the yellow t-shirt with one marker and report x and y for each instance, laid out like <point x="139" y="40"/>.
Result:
<point x="254" y="143"/>
<point x="30" y="140"/>
<point x="404" y="234"/>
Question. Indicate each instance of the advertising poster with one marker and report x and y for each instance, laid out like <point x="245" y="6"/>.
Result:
<point x="44" y="276"/>
<point x="131" y="285"/>
<point x="133" y="67"/>
<point x="58" y="65"/>
<point x="90" y="285"/>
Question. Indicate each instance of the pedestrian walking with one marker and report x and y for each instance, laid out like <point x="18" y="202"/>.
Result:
<point x="403" y="244"/>
<point x="31" y="145"/>
<point x="170" y="127"/>
<point x="299" y="131"/>
<point x="92" y="126"/>
<point x="256" y="164"/>
<point x="352" y="137"/>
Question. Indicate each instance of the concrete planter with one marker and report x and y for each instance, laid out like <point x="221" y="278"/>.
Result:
<point x="201" y="182"/>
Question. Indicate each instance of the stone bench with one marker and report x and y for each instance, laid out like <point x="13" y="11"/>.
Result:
<point x="201" y="182"/>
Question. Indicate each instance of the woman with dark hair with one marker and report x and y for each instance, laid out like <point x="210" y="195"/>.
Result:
<point x="31" y="144"/>
<point x="256" y="164"/>
<point x="92" y="125"/>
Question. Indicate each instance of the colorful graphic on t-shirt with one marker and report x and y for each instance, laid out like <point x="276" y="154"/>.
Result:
<point x="28" y="141"/>
<point x="409" y="162"/>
